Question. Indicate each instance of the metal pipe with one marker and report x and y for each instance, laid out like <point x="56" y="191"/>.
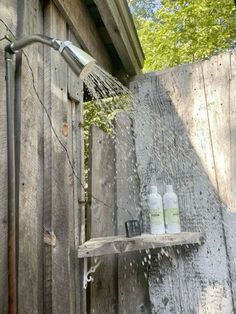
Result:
<point x="11" y="185"/>
<point x="35" y="38"/>
<point x="78" y="60"/>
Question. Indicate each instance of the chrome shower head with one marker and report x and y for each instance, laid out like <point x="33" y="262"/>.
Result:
<point x="80" y="62"/>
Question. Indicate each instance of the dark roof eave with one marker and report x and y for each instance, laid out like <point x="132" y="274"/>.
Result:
<point x="119" y="24"/>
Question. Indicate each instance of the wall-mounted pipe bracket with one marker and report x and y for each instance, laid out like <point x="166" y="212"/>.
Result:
<point x="87" y="274"/>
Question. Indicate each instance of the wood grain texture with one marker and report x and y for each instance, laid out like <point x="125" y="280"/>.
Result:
<point x="79" y="196"/>
<point x="80" y="22"/>
<point x="173" y="122"/>
<point x="230" y="217"/>
<point x="59" y="216"/>
<point x="130" y="29"/>
<point x="131" y="279"/>
<point x="75" y="94"/>
<point x="221" y="106"/>
<point x="102" y="219"/>
<point x="8" y="13"/>
<point x="121" y="244"/>
<point x="29" y="150"/>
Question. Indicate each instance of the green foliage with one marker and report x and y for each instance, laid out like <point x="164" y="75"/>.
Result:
<point x="102" y="113"/>
<point x="144" y="8"/>
<point x="184" y="31"/>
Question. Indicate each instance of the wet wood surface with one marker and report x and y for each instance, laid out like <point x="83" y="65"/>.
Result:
<point x="122" y="244"/>
<point x="101" y="219"/>
<point x="131" y="273"/>
<point x="185" y="117"/>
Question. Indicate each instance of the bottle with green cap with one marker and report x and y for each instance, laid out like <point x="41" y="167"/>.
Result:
<point x="156" y="211"/>
<point x="171" y="211"/>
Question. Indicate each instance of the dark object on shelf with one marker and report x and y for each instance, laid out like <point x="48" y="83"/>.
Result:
<point x="133" y="228"/>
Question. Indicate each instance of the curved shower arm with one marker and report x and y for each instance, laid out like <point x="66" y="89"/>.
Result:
<point x="78" y="60"/>
<point x="31" y="39"/>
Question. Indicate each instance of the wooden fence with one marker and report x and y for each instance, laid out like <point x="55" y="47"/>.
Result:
<point x="187" y="137"/>
<point x="182" y="132"/>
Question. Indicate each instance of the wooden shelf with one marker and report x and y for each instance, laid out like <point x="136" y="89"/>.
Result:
<point x="122" y="244"/>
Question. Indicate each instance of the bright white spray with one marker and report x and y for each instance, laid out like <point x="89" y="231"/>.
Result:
<point x="171" y="210"/>
<point x="156" y="211"/>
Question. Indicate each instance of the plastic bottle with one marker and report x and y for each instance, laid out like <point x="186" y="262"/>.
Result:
<point x="156" y="211"/>
<point x="171" y="211"/>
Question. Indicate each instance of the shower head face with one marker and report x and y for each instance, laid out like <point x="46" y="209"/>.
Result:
<point x="79" y="61"/>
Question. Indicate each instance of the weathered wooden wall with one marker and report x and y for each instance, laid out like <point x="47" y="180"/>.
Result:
<point x="185" y="135"/>
<point x="29" y="151"/>
<point x="180" y="132"/>
<point x="60" y="207"/>
<point x="50" y="195"/>
<point x="132" y="284"/>
<point x="102" y="219"/>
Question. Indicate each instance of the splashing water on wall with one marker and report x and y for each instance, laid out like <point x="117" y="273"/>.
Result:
<point x="150" y="134"/>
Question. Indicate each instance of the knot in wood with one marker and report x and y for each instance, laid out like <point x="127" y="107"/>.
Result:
<point x="64" y="129"/>
<point x="49" y="238"/>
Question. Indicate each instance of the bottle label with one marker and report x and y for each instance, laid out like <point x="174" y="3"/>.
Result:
<point x="172" y="216"/>
<point x="156" y="217"/>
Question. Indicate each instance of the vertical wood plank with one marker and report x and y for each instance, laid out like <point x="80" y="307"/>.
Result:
<point x="29" y="130"/>
<point x="79" y="201"/>
<point x="8" y="13"/>
<point x="132" y="284"/>
<point x="174" y="146"/>
<point x="75" y="93"/>
<point x="59" y="275"/>
<point x="231" y="221"/>
<point x="102" y="219"/>
<point x="219" y="97"/>
<point x="232" y="111"/>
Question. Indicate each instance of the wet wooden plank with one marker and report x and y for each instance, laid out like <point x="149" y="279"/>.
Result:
<point x="122" y="244"/>
<point x="221" y="107"/>
<point x="131" y="273"/>
<point x="102" y="219"/>
<point x="172" y="121"/>
<point x="231" y="219"/>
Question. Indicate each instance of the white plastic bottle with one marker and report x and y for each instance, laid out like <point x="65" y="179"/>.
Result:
<point x="171" y="211"/>
<point x="156" y="211"/>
